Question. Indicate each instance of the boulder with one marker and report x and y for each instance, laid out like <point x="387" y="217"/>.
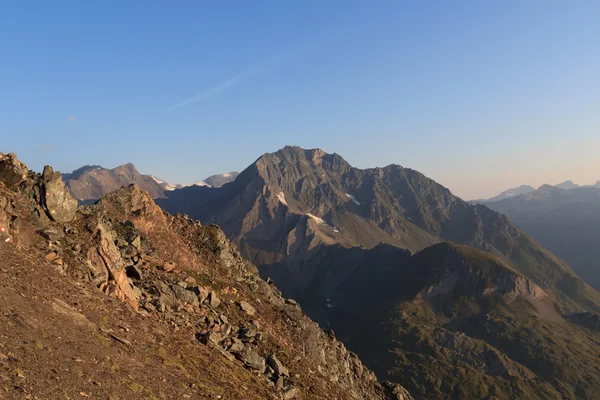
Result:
<point x="55" y="198"/>
<point x="184" y="295"/>
<point x="12" y="171"/>
<point x="277" y="366"/>
<point x="201" y="292"/>
<point x="246" y="307"/>
<point x="214" y="300"/>
<point x="252" y="360"/>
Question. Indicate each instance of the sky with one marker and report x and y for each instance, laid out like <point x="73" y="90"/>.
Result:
<point x="478" y="95"/>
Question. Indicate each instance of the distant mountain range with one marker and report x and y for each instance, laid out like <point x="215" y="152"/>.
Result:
<point x="567" y="222"/>
<point x="87" y="184"/>
<point x="507" y="194"/>
<point x="366" y="252"/>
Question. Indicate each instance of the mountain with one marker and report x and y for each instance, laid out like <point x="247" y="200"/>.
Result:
<point x="567" y="222"/>
<point x="567" y="185"/>
<point x="87" y="184"/>
<point x="219" y="179"/>
<point x="367" y="254"/>
<point x="524" y="189"/>
<point x="508" y="194"/>
<point x="289" y="205"/>
<point x="93" y="295"/>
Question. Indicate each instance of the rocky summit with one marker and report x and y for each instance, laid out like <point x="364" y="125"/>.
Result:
<point x="120" y="300"/>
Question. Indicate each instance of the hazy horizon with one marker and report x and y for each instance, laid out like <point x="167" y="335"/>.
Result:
<point x="479" y="96"/>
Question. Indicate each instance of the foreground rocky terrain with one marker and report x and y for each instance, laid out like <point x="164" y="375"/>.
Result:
<point x="121" y="300"/>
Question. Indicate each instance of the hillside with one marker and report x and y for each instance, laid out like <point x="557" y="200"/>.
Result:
<point x="91" y="296"/>
<point x="455" y="322"/>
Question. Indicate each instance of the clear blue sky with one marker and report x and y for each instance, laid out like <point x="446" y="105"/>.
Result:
<point x="479" y="95"/>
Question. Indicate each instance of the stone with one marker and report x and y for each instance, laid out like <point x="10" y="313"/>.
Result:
<point x="137" y="243"/>
<point x="201" y="292"/>
<point x="182" y="284"/>
<point x="128" y="252"/>
<point x="12" y="171"/>
<point x="237" y="347"/>
<point x="247" y="333"/>
<point x="168" y="267"/>
<point x="184" y="295"/>
<point x="164" y="302"/>
<point x="214" y="300"/>
<point x="134" y="272"/>
<point x="212" y="338"/>
<point x="290" y="393"/>
<point x="279" y="383"/>
<point x="52" y="233"/>
<point x="246" y="307"/>
<point x="277" y="366"/>
<point x="252" y="360"/>
<point x="55" y="199"/>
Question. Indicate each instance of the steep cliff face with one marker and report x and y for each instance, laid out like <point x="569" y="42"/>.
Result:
<point x="88" y="303"/>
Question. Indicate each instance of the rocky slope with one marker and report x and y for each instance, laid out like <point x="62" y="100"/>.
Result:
<point x="567" y="222"/>
<point x="288" y="206"/>
<point x="93" y="295"/>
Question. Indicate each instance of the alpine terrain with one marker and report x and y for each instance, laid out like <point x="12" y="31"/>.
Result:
<point x="120" y="300"/>
<point x="450" y="299"/>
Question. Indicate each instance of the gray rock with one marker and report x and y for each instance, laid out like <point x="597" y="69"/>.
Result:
<point x="253" y="360"/>
<point x="247" y="333"/>
<point x="214" y="300"/>
<point x="52" y="233"/>
<point x="201" y="292"/>
<point x="290" y="393"/>
<point x="277" y="366"/>
<point x="137" y="243"/>
<point x="164" y="302"/>
<point x="55" y="198"/>
<point x="237" y="347"/>
<point x="184" y="295"/>
<point x="12" y="171"/>
<point x="212" y="338"/>
<point x="246" y="307"/>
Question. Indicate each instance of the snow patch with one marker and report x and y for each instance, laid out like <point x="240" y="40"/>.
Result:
<point x="160" y="181"/>
<point x="281" y="197"/>
<point x="317" y="219"/>
<point x="351" y="197"/>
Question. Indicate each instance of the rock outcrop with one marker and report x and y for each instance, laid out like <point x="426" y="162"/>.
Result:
<point x="55" y="198"/>
<point x="12" y="171"/>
